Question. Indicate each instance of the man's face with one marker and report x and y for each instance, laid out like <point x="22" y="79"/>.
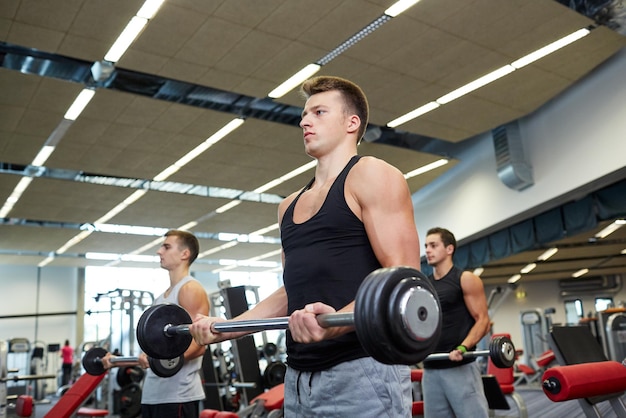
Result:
<point x="171" y="253"/>
<point x="324" y="122"/>
<point x="436" y="251"/>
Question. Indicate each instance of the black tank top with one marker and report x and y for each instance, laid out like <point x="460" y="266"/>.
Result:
<point x="456" y="321"/>
<point x="326" y="259"/>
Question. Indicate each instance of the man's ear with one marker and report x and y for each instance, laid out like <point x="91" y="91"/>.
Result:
<point x="354" y="123"/>
<point x="450" y="249"/>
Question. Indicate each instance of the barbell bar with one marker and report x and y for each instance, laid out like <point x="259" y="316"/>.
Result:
<point x="92" y="363"/>
<point x="397" y="318"/>
<point x="17" y="378"/>
<point x="501" y="351"/>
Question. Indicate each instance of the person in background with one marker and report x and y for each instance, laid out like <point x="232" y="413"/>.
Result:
<point x="353" y="217"/>
<point x="453" y="387"/>
<point x="67" y="354"/>
<point x="177" y="396"/>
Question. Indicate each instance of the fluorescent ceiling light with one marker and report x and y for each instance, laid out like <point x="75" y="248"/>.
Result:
<point x="120" y="207"/>
<point x="426" y="168"/>
<point x="81" y="101"/>
<point x="265" y="230"/>
<point x="130" y="229"/>
<point x="163" y="175"/>
<point x="608" y="230"/>
<point x="22" y="185"/>
<point x="225" y="130"/>
<point x="188" y="226"/>
<point x="122" y="257"/>
<point x="501" y="72"/>
<point x="528" y="268"/>
<point x="101" y="256"/>
<point x="514" y="278"/>
<point x="293" y="173"/>
<point x="46" y="261"/>
<point x="399" y="7"/>
<point x="140" y="258"/>
<point x="127" y="37"/>
<point x="75" y="240"/>
<point x="217" y="249"/>
<point x="228" y="206"/>
<point x="191" y="155"/>
<point x="147" y="246"/>
<point x="580" y="273"/>
<point x="413" y="114"/>
<point x="549" y="49"/>
<point x="295" y="80"/>
<point x="547" y="254"/>
<point x="149" y="9"/>
<point x="476" y="84"/>
<point x="42" y="155"/>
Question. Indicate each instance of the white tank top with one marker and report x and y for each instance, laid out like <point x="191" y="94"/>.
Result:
<point x="184" y="386"/>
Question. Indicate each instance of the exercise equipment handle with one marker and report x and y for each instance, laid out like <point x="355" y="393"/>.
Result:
<point x="254" y="325"/>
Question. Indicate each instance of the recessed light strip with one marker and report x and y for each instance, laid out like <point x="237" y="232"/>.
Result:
<point x="491" y="77"/>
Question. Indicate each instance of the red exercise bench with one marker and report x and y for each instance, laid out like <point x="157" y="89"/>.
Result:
<point x="266" y="401"/>
<point x="71" y="400"/>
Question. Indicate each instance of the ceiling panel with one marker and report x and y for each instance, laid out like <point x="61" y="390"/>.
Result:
<point x="229" y="55"/>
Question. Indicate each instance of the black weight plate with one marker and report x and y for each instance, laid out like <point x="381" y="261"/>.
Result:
<point x="368" y="336"/>
<point x="370" y="313"/>
<point x="123" y="376"/>
<point x="414" y="315"/>
<point x="92" y="361"/>
<point x="151" y="334"/>
<point x="130" y="401"/>
<point x="502" y="352"/>
<point x="269" y="350"/>
<point x="166" y="367"/>
<point x="129" y="374"/>
<point x="274" y="373"/>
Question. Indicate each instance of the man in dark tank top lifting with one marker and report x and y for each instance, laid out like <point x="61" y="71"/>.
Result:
<point x="355" y="216"/>
<point x="453" y="387"/>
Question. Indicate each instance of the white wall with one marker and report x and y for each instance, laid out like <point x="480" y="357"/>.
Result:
<point x="21" y="294"/>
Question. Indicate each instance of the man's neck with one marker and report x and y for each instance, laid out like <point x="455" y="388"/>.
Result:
<point x="329" y="166"/>
<point x="442" y="268"/>
<point x="177" y="275"/>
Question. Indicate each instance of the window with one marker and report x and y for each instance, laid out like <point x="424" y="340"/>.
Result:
<point x="573" y="311"/>
<point x="602" y="304"/>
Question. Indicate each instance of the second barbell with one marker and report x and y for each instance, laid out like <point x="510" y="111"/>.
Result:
<point x="501" y="352"/>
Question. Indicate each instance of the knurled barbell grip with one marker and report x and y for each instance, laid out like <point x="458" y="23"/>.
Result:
<point x="122" y="359"/>
<point x="343" y="319"/>
<point x="469" y="354"/>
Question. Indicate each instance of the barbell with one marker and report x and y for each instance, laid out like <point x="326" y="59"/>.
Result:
<point x="18" y="378"/>
<point x="92" y="363"/>
<point x="397" y="318"/>
<point x="501" y="351"/>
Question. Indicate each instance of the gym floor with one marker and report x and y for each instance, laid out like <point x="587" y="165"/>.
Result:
<point x="537" y="405"/>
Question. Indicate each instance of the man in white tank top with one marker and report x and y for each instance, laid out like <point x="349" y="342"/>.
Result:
<point x="177" y="396"/>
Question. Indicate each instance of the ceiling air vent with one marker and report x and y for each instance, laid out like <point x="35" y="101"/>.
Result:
<point x="594" y="284"/>
<point x="513" y="169"/>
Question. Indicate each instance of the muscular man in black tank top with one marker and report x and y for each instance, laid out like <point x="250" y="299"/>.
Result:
<point x="353" y="217"/>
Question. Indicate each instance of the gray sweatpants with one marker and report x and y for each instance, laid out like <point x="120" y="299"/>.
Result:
<point x="358" y="388"/>
<point x="455" y="392"/>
